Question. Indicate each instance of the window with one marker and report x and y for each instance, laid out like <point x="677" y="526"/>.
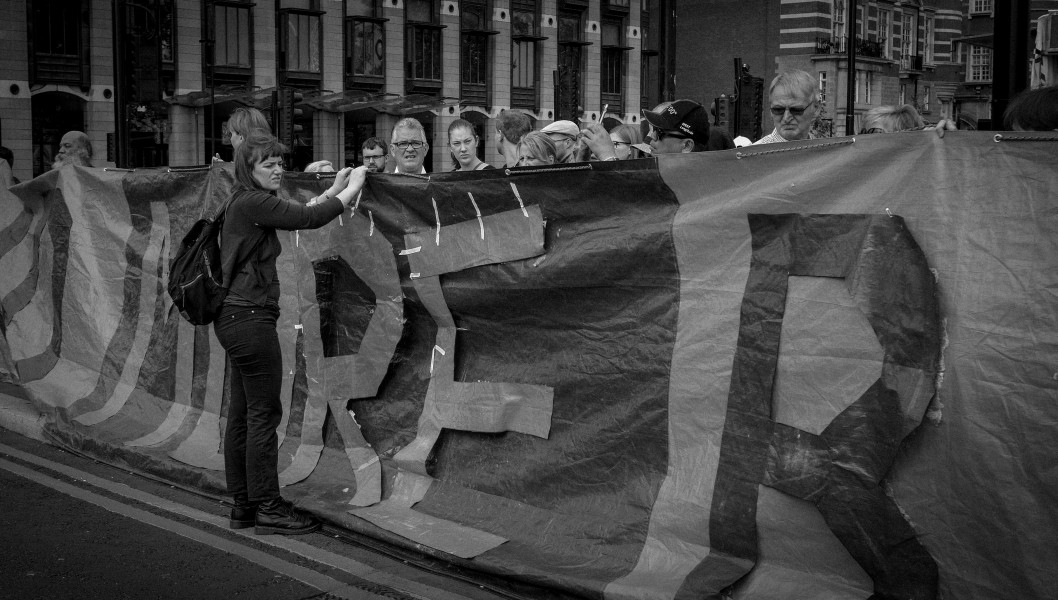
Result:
<point x="926" y="93"/>
<point x="613" y="64"/>
<point x="978" y="7"/>
<point x="58" y="42"/>
<point x="570" y="65"/>
<point x="928" y="54"/>
<point x="233" y="35"/>
<point x="903" y="93"/>
<point x="300" y="44"/>
<point x="365" y="45"/>
<point x="907" y="39"/>
<point x="474" y="51"/>
<point x="837" y="29"/>
<point x="525" y="33"/>
<point x="863" y="86"/>
<point x="649" y="73"/>
<point x="422" y="50"/>
<point x="980" y="67"/>
<point x="885" y="33"/>
<point x="822" y="86"/>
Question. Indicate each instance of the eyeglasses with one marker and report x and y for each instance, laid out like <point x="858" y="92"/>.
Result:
<point x="872" y="130"/>
<point x="621" y="144"/>
<point x="374" y="158"/>
<point x="796" y="111"/>
<point x="660" y="134"/>
<point x="402" y="146"/>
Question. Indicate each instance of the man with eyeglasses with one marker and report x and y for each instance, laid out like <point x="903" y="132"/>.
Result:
<point x="794" y="107"/>
<point x="374" y="152"/>
<point x="678" y="126"/>
<point x="409" y="146"/>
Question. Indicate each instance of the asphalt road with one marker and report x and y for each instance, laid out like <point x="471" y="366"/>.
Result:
<point x="74" y="528"/>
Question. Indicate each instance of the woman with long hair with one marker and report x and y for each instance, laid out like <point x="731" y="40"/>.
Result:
<point x="463" y="142"/>
<point x="624" y="138"/>
<point x="536" y="149"/>
<point x="246" y="326"/>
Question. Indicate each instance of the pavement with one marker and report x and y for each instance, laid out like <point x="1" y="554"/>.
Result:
<point x="86" y="529"/>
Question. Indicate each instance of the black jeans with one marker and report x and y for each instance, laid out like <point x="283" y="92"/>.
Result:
<point x="251" y="445"/>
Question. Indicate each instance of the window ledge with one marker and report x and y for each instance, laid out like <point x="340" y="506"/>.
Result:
<point x="365" y="19"/>
<point x="437" y="26"/>
<point x="528" y="38"/>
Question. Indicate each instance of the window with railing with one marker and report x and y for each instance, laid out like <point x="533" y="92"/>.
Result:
<point x="980" y="67"/>
<point x="908" y="41"/>
<point x="978" y="7"/>
<point x="613" y="58"/>
<point x="365" y="43"/>
<point x="422" y="43"/>
<point x="474" y="51"/>
<point x="58" y="42"/>
<point x="568" y="90"/>
<point x="885" y="33"/>
<point x="837" y="26"/>
<point x="301" y="39"/>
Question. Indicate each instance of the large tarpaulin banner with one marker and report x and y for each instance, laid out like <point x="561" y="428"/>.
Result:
<point x="812" y="370"/>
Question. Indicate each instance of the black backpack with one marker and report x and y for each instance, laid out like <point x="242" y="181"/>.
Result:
<point x="194" y="274"/>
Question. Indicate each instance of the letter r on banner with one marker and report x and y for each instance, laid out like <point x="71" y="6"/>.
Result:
<point x="840" y="470"/>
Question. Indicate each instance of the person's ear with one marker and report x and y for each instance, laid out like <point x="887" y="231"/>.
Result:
<point x="688" y="145"/>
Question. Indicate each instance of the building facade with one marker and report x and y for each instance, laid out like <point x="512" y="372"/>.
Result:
<point x="934" y="54"/>
<point x="152" y="82"/>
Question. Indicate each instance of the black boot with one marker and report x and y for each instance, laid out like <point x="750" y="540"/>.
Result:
<point x="280" y="516"/>
<point x="243" y="514"/>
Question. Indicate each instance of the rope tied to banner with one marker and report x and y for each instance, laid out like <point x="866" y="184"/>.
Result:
<point x="555" y="169"/>
<point x="740" y="155"/>
<point x="999" y="137"/>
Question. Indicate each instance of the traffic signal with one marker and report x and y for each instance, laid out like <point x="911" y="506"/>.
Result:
<point x="723" y="110"/>
<point x="286" y="114"/>
<point x="751" y="106"/>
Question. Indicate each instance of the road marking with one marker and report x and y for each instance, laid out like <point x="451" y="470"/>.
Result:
<point x="307" y="576"/>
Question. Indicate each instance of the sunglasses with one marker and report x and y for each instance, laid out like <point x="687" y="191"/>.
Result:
<point x="796" y="111"/>
<point x="660" y="134"/>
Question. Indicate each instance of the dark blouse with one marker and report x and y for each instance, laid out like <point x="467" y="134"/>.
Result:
<point x="250" y="246"/>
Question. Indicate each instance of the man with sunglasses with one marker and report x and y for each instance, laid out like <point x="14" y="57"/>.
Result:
<point x="678" y="126"/>
<point x="409" y="146"/>
<point x="794" y="107"/>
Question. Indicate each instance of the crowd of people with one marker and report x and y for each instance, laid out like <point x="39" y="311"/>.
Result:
<point x="246" y="326"/>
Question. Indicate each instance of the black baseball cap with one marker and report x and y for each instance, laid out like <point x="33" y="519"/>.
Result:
<point x="685" y="118"/>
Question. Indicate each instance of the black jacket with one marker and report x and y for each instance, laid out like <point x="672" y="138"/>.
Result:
<point x="250" y="246"/>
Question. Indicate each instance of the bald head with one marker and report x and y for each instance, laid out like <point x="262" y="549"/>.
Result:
<point x="74" y="149"/>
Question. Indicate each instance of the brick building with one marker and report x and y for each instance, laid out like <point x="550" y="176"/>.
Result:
<point x="934" y="54"/>
<point x="153" y="81"/>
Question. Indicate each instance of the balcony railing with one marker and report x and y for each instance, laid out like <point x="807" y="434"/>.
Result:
<point x="911" y="63"/>
<point x="839" y="45"/>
